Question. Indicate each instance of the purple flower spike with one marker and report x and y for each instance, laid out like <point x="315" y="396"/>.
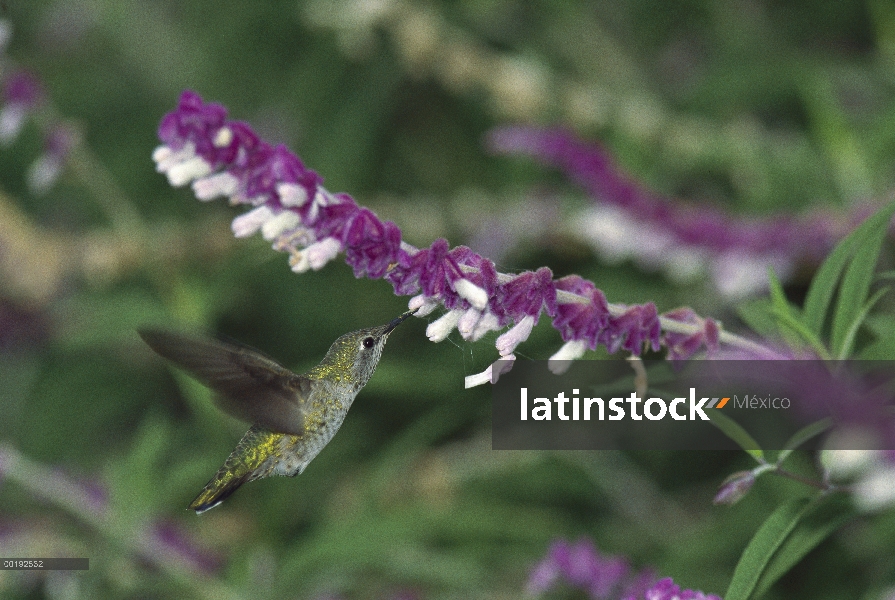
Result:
<point x="291" y="208"/>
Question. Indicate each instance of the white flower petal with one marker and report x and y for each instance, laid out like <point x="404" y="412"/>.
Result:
<point x="422" y="304"/>
<point x="740" y="274"/>
<point x="471" y="292"/>
<point x="299" y="262"/>
<point x="507" y="342"/>
<point x="478" y="379"/>
<point x="249" y="223"/>
<point x="610" y="230"/>
<point x="213" y="186"/>
<point x="166" y="157"/>
<point x="292" y="194"/>
<point x="223" y="137"/>
<point x="188" y="170"/>
<point x="438" y="330"/>
<point x="161" y="153"/>
<point x="488" y="322"/>
<point x="466" y="324"/>
<point x="560" y="362"/>
<point x="685" y="263"/>
<point x="320" y="253"/>
<point x="494" y="371"/>
<point x="282" y="222"/>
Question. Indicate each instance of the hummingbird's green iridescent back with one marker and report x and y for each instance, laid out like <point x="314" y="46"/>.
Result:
<point x="293" y="416"/>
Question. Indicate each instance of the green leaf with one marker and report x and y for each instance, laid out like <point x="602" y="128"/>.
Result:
<point x="779" y="304"/>
<point x="852" y="332"/>
<point x="801" y="436"/>
<point x="760" y="551"/>
<point x="759" y="316"/>
<point x="790" y="322"/>
<point x="823" y="286"/>
<point x="792" y="328"/>
<point x="824" y="516"/>
<point x="858" y="276"/>
<point x="882" y="326"/>
<point x="734" y="431"/>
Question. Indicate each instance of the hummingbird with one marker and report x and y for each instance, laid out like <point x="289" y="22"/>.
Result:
<point x="293" y="416"/>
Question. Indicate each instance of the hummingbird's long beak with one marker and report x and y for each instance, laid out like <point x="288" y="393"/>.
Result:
<point x="398" y="321"/>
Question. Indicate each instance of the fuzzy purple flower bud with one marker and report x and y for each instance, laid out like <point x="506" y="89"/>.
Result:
<point x="735" y="487"/>
<point x="585" y="320"/>
<point x="527" y="294"/>
<point x="637" y="326"/>
<point x="682" y="346"/>
<point x="371" y="245"/>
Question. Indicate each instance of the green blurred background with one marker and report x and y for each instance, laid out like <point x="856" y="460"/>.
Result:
<point x="759" y="106"/>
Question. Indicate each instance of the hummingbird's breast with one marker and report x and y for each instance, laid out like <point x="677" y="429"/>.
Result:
<point x="324" y="413"/>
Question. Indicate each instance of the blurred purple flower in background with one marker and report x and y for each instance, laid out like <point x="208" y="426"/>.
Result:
<point x="666" y="589"/>
<point x="683" y="239"/>
<point x="22" y="94"/>
<point x="170" y="537"/>
<point x="582" y="567"/>
<point x="45" y="170"/>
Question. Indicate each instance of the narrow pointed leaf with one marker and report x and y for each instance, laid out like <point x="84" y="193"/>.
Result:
<point x="823" y="517"/>
<point x="849" y="341"/>
<point x="823" y="286"/>
<point x="801" y="436"/>
<point x="791" y="322"/>
<point x="760" y="551"/>
<point x="735" y="431"/>
<point x="859" y="275"/>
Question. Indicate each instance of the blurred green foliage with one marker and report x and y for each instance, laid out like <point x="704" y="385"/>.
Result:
<point x="761" y="106"/>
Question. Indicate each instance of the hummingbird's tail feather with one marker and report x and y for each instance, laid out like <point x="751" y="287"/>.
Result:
<point x="253" y="458"/>
<point x="217" y="490"/>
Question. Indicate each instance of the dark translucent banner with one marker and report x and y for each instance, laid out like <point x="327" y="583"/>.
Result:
<point x="603" y="405"/>
<point x="44" y="564"/>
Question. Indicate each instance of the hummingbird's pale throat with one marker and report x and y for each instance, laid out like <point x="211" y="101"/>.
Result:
<point x="293" y="416"/>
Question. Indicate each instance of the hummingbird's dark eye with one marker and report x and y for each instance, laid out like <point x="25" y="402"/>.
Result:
<point x="369" y="342"/>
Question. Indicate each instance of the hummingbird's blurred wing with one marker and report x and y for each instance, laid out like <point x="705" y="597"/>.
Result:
<point x="251" y="387"/>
